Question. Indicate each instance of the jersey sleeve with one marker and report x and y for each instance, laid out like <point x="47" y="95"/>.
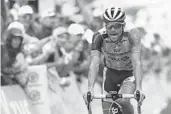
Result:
<point x="135" y="40"/>
<point x="97" y="42"/>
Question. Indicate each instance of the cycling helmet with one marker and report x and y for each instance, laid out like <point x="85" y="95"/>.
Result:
<point x="114" y="15"/>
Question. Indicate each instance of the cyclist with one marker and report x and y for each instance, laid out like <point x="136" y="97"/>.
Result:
<point x="121" y="52"/>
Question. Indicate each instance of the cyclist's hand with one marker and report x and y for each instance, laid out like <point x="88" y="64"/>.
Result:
<point x="140" y="96"/>
<point x="88" y="97"/>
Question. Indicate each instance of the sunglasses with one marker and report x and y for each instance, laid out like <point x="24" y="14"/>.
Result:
<point x="114" y="25"/>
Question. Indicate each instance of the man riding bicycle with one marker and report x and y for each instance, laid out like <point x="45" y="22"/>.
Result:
<point x="121" y="52"/>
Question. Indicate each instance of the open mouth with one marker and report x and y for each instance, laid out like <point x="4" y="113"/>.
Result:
<point x="113" y="34"/>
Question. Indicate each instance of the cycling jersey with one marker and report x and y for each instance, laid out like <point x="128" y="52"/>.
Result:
<point x="117" y="54"/>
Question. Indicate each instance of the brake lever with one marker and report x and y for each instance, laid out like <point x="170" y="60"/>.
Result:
<point x="137" y="94"/>
<point x="88" y="99"/>
<point x="138" y="99"/>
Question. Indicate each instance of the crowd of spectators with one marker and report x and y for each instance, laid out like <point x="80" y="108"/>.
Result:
<point x="47" y="38"/>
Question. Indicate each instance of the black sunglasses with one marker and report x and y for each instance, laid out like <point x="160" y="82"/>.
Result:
<point x="115" y="25"/>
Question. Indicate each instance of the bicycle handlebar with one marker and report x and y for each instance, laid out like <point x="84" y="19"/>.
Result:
<point x="104" y="96"/>
<point x="115" y="95"/>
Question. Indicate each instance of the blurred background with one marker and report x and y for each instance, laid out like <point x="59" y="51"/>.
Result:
<point x="58" y="33"/>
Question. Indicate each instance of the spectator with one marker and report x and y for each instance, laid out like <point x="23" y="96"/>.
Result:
<point x="61" y="35"/>
<point x="74" y="51"/>
<point x="11" y="49"/>
<point x="27" y="18"/>
<point x="80" y="67"/>
<point x="76" y="32"/>
<point x="49" y="21"/>
<point x="39" y="52"/>
<point x="39" y="56"/>
<point x="157" y="49"/>
<point x="97" y="22"/>
<point x="35" y="56"/>
<point x="13" y="15"/>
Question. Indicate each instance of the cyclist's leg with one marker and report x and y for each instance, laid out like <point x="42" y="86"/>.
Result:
<point x="109" y="85"/>
<point x="127" y="87"/>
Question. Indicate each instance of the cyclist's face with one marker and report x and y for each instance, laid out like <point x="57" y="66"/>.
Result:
<point x="16" y="41"/>
<point x="114" y="30"/>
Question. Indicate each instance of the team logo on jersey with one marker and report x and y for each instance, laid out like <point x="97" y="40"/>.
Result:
<point x="125" y="58"/>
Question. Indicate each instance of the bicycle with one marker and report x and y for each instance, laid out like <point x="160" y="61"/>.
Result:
<point x="115" y="108"/>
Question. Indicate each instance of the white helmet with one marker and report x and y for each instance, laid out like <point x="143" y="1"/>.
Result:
<point x="114" y="15"/>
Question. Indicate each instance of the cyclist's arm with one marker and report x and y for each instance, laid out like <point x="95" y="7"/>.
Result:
<point x="135" y="39"/>
<point x="94" y="68"/>
<point x="95" y="60"/>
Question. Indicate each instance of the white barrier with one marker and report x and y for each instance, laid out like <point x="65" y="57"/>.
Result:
<point x="14" y="101"/>
<point x="39" y="99"/>
<point x="37" y="89"/>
